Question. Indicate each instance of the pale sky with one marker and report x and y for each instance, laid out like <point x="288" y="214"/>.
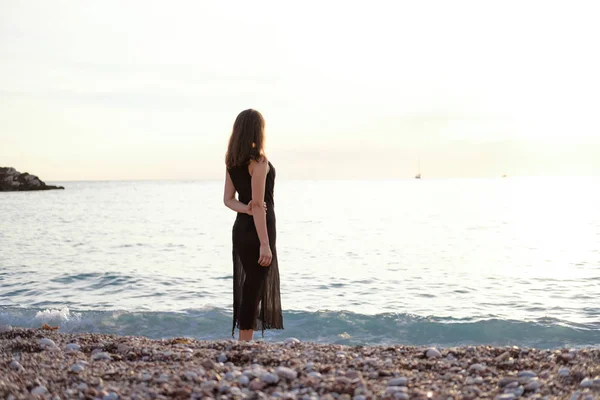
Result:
<point x="149" y="90"/>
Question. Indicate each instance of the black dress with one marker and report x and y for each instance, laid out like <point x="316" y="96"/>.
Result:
<point x="256" y="296"/>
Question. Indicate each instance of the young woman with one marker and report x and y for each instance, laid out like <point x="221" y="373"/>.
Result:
<point x="256" y="298"/>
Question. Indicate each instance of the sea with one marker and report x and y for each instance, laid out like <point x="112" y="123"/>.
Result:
<point x="448" y="262"/>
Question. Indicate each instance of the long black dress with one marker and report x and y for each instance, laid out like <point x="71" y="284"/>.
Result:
<point x="256" y="296"/>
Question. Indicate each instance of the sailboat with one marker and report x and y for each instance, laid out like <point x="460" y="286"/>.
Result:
<point x="418" y="176"/>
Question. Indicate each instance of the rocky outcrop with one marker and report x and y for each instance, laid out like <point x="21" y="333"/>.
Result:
<point x="12" y="180"/>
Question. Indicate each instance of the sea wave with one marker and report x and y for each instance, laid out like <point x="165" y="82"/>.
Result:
<point x="338" y="327"/>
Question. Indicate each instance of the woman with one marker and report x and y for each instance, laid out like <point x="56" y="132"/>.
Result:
<point x="256" y="299"/>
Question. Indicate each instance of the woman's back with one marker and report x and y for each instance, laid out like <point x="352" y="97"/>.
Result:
<point x="242" y="180"/>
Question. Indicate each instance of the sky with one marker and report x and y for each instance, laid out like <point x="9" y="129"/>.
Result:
<point x="113" y="90"/>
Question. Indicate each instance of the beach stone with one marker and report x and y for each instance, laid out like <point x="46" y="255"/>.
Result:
<point x="586" y="383"/>
<point x="82" y="386"/>
<point x="401" y="396"/>
<point x="477" y="367"/>
<point x="433" y="353"/>
<point x="527" y="374"/>
<point x="47" y="343"/>
<point x="291" y="340"/>
<point x="256" y="385"/>
<point x="287" y="373"/>
<point x="394" y="389"/>
<point x="575" y="395"/>
<point x="39" y="391"/>
<point x="505" y="396"/>
<point x="5" y="328"/>
<point x="222" y="358"/>
<point x="77" y="368"/>
<point x="533" y="384"/>
<point x="503" y="357"/>
<point x="270" y="378"/>
<point x="190" y="376"/>
<point x="478" y="380"/>
<point x="402" y="381"/>
<point x="244" y="380"/>
<point x="73" y="347"/>
<point x="314" y="374"/>
<point x="507" y="381"/>
<point x="15" y="365"/>
<point x="111" y="396"/>
<point x="235" y="391"/>
<point x="223" y="389"/>
<point x="101" y="356"/>
<point x="564" y="372"/>
<point x="360" y="397"/>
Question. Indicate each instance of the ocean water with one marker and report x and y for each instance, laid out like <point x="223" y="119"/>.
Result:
<point x="431" y="262"/>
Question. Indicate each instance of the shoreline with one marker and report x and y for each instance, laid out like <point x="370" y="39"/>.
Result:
<point x="46" y="363"/>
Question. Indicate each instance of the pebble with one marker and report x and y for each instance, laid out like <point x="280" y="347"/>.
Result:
<point x="564" y="372"/>
<point x="505" y="396"/>
<point x="77" y="368"/>
<point x="586" y="383"/>
<point x="507" y="381"/>
<point x="82" y="386"/>
<point x="314" y="374"/>
<point x="111" y="396"/>
<point x="5" y="328"/>
<point x="402" y="381"/>
<point x="360" y="397"/>
<point x="291" y="340"/>
<point x="145" y="377"/>
<point x="244" y="380"/>
<point x="163" y="378"/>
<point x="504" y="356"/>
<point x="222" y="358"/>
<point x="433" y="353"/>
<point x="401" y="396"/>
<point x="223" y="389"/>
<point x="533" y="384"/>
<point x="46" y="343"/>
<point x="477" y="367"/>
<point x="191" y="376"/>
<point x="39" y="391"/>
<point x="270" y="379"/>
<point x="527" y="374"/>
<point x="394" y="389"/>
<point x="73" y="347"/>
<point x="256" y="385"/>
<point x="575" y="396"/>
<point x="287" y="373"/>
<point x="15" y="365"/>
<point x="102" y="355"/>
<point x="235" y="391"/>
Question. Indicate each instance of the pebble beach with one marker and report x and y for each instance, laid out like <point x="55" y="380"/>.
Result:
<point x="47" y="364"/>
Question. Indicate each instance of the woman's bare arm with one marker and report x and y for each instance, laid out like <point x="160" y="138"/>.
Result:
<point x="229" y="197"/>
<point x="259" y="178"/>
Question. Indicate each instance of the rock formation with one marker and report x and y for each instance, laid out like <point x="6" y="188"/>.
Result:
<point x="12" y="180"/>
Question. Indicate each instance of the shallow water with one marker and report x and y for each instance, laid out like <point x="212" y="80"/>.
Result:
<point x="498" y="261"/>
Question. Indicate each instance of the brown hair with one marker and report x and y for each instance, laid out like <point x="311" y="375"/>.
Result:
<point x="247" y="139"/>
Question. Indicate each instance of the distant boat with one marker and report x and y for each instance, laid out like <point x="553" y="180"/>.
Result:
<point x="505" y="176"/>
<point x="418" y="176"/>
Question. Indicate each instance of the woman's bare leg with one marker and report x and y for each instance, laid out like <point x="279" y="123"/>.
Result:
<point x="246" y="335"/>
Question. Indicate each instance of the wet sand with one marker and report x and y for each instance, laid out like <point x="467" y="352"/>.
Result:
<point x="38" y="363"/>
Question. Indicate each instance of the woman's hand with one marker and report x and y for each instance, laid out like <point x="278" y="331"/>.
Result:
<point x="266" y="256"/>
<point x="249" y="209"/>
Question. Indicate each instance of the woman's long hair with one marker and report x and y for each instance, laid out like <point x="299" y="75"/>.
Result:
<point x="247" y="139"/>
